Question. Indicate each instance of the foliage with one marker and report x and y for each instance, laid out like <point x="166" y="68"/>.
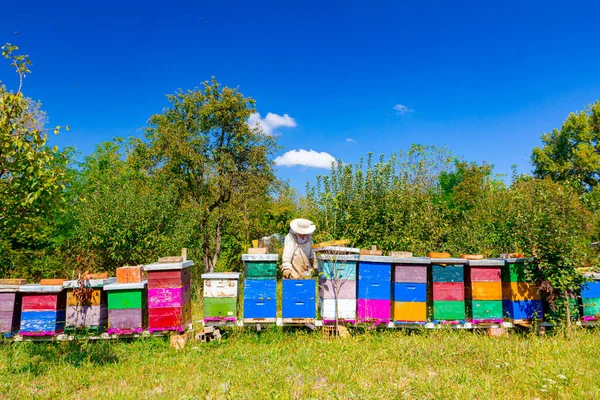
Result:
<point x="572" y="154"/>
<point x="203" y="146"/>
<point x="32" y="176"/>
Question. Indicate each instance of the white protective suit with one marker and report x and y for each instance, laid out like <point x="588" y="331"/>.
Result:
<point x="298" y="257"/>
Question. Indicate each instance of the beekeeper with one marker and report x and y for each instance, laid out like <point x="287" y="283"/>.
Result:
<point x="298" y="256"/>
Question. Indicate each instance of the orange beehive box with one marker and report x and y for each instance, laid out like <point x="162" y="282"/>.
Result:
<point x="410" y="311"/>
<point x="486" y="290"/>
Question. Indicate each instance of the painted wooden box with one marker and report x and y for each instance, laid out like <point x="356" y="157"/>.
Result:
<point x="410" y="290"/>
<point x="127" y="310"/>
<point x="448" y="289"/>
<point x="521" y="300"/>
<point x="522" y="309"/>
<point x="346" y="310"/>
<point x="10" y="309"/>
<point x="484" y="291"/>
<point x="344" y="288"/>
<point x="220" y="297"/>
<point x="89" y="313"/>
<point x="337" y="266"/>
<point x="260" y="266"/>
<point x="449" y="310"/>
<point x="590" y="298"/>
<point x="298" y="300"/>
<point x="42" y="310"/>
<point x="374" y="289"/>
<point x="169" y="297"/>
<point x="260" y="300"/>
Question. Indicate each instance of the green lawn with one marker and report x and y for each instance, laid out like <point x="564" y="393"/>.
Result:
<point x="300" y="364"/>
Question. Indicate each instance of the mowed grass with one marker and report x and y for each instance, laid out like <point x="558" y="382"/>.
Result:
<point x="290" y="363"/>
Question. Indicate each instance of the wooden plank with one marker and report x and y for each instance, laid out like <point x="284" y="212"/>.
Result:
<point x="366" y="252"/>
<point x="96" y="275"/>
<point x="172" y="259"/>
<point x="438" y="255"/>
<point x="401" y="254"/>
<point x="257" y="250"/>
<point x="13" y="281"/>
<point x="52" y="282"/>
<point x="472" y="256"/>
<point x="341" y="242"/>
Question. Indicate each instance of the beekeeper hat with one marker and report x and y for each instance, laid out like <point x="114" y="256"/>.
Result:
<point x="302" y="226"/>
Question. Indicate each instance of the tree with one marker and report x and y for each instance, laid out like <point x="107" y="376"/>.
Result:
<point x="32" y="175"/>
<point x="572" y="154"/>
<point x="202" y="144"/>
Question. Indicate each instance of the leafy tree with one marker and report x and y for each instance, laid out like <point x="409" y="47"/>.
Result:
<point x="32" y="175"/>
<point x="572" y="154"/>
<point x="202" y="145"/>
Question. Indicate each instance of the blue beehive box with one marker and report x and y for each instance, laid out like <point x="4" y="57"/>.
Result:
<point x="299" y="300"/>
<point x="260" y="300"/>
<point x="410" y="292"/>
<point x="374" y="278"/>
<point x="522" y="309"/>
<point x="448" y="273"/>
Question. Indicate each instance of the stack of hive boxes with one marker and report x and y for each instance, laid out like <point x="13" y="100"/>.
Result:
<point x="484" y="291"/>
<point x="374" y="289"/>
<point x="337" y="280"/>
<point x="10" y="306"/>
<point x="590" y="297"/>
<point x="520" y="300"/>
<point x="410" y="290"/>
<point x="448" y="289"/>
<point x="88" y="311"/>
<point x="220" y="297"/>
<point x="299" y="301"/>
<point x="260" y="287"/>
<point x="169" y="296"/>
<point x="127" y="312"/>
<point x="43" y="308"/>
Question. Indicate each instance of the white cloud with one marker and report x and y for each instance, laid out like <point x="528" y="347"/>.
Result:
<point x="271" y="122"/>
<point x="402" y="109"/>
<point x="306" y="158"/>
<point x="350" y="140"/>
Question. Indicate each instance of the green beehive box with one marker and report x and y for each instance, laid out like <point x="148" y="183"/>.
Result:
<point x="220" y="307"/>
<point x="260" y="266"/>
<point x="591" y="307"/>
<point x="486" y="309"/>
<point x="125" y="299"/>
<point x="514" y="270"/>
<point x="449" y="310"/>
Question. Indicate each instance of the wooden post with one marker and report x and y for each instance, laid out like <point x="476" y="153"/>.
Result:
<point x="184" y="254"/>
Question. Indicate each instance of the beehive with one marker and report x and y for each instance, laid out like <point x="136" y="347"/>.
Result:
<point x="91" y="314"/>
<point x="337" y="287"/>
<point x="220" y="297"/>
<point x="410" y="290"/>
<point x="590" y="298"/>
<point x="127" y="307"/>
<point x="10" y="309"/>
<point x="169" y="296"/>
<point x="448" y="289"/>
<point x="521" y="300"/>
<point x="484" y="291"/>
<point x="42" y="310"/>
<point x="299" y="300"/>
<point x="260" y="288"/>
<point x="374" y="289"/>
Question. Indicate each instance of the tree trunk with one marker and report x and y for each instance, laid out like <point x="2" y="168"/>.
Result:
<point x="568" y="311"/>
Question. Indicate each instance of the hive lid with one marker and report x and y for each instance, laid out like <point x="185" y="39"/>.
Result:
<point x="260" y="257"/>
<point x="94" y="283"/>
<point x="411" y="260"/>
<point x="9" y="288"/>
<point x="168" y="266"/>
<point x="125" y="286"/>
<point x="338" y="257"/>
<point x="221" y="275"/>
<point x="37" y="288"/>
<point x="449" y="261"/>
<point x="376" y="259"/>
<point x="491" y="262"/>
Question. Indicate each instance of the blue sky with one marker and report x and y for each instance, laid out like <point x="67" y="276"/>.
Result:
<point x="485" y="79"/>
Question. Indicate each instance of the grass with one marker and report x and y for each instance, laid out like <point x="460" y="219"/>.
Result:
<point x="290" y="363"/>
